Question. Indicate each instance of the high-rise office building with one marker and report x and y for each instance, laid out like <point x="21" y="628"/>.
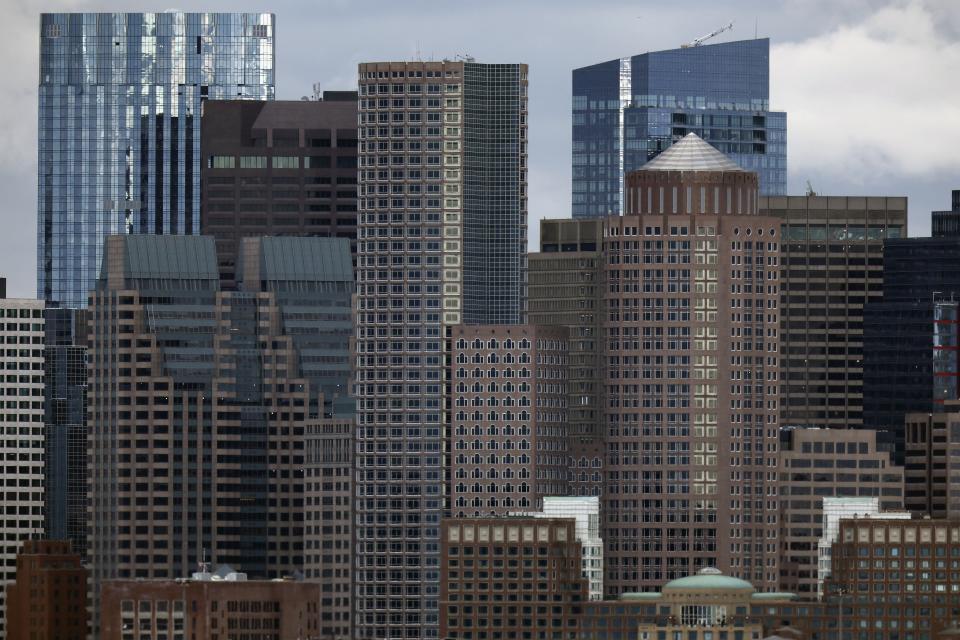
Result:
<point x="909" y="336"/>
<point x="627" y="110"/>
<point x="565" y="289"/>
<point x="49" y="598"/>
<point x="947" y="223"/>
<point x="441" y="241"/>
<point x="328" y="521"/>
<point x="831" y="266"/>
<point x="816" y="464"/>
<point x="690" y="321"/>
<point x="277" y="168"/>
<point x="119" y="127"/>
<point x="199" y="401"/>
<point x="508" y="446"/>
<point x="65" y="418"/>
<point x="932" y="462"/>
<point x="21" y="423"/>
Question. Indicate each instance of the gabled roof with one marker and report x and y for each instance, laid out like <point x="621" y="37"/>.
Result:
<point x="691" y="153"/>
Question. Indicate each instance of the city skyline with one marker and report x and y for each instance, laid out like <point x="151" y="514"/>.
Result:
<point x="865" y="56"/>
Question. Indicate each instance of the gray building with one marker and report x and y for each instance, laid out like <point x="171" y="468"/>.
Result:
<point x="831" y="266"/>
<point x="199" y="401"/>
<point x="441" y="241"/>
<point x="119" y="127"/>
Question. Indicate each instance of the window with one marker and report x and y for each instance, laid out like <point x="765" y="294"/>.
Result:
<point x="286" y="162"/>
<point x="221" y="162"/>
<point x="253" y="162"/>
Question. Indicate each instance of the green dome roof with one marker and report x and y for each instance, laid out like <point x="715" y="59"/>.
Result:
<point x="708" y="578"/>
<point x="640" y="595"/>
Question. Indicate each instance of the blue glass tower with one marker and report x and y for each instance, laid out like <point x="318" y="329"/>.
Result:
<point x="119" y="118"/>
<point x="626" y="111"/>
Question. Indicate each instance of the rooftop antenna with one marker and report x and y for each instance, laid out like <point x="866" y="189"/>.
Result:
<point x="419" y="59"/>
<point x="699" y="41"/>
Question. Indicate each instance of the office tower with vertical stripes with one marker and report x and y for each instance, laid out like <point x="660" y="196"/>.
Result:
<point x="441" y="241"/>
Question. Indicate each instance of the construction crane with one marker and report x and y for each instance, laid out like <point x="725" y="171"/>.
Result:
<point x="699" y="41"/>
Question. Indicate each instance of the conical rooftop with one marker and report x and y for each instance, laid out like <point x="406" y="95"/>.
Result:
<point x="691" y="153"/>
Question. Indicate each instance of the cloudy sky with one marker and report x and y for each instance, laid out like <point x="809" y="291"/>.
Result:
<point x="870" y="86"/>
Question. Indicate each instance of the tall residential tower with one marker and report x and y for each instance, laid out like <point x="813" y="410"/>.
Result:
<point x="627" y="110"/>
<point x="119" y="127"/>
<point x="441" y="241"/>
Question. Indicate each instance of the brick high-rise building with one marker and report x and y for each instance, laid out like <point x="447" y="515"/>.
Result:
<point x="277" y="168"/>
<point x="199" y="401"/>
<point x="442" y="241"/>
<point x="511" y="577"/>
<point x="831" y="265"/>
<point x="220" y="605"/>
<point x="509" y="429"/>
<point x="49" y="599"/>
<point x="327" y="549"/>
<point x="21" y="424"/>
<point x="692" y="355"/>
<point x="820" y="463"/>
<point x="565" y="290"/>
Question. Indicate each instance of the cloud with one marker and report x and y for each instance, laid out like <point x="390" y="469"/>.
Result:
<point x="872" y="99"/>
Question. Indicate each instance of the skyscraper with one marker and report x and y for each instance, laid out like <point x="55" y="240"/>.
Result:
<point x="441" y="242"/>
<point x="119" y="127"/>
<point x="831" y="266"/>
<point x="280" y="168"/>
<point x="690" y="323"/>
<point x="200" y="399"/>
<point x="627" y="110"/>
<point x="21" y="424"/>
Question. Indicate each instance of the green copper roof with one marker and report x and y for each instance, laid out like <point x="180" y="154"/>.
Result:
<point x="775" y="595"/>
<point x="640" y="595"/>
<point x="708" y="578"/>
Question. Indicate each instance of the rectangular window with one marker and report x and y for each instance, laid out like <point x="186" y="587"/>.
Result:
<point x="286" y="162"/>
<point x="253" y="162"/>
<point x="221" y="162"/>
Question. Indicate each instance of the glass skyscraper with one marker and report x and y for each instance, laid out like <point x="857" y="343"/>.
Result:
<point x="119" y="118"/>
<point x="626" y="111"/>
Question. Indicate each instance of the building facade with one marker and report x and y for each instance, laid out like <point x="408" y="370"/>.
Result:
<point x="821" y="464"/>
<point x="690" y="327"/>
<point x="277" y="168"/>
<point x="912" y="586"/>
<point x="199" y="401"/>
<point x="586" y="511"/>
<point x="904" y="371"/>
<point x="831" y="267"/>
<point x="441" y="228"/>
<point x="22" y="448"/>
<point x="119" y="127"/>
<point x="65" y="421"/>
<point x="216" y="606"/>
<point x="947" y="223"/>
<point x="565" y="290"/>
<point x="515" y="577"/>
<point x="328" y="557"/>
<point x="509" y="426"/>
<point x="627" y="110"/>
<point x="932" y="460"/>
<point x="49" y="599"/>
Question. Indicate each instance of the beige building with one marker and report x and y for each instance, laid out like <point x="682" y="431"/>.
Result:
<point x="21" y="426"/>
<point x="565" y="289"/>
<point x="690" y="323"/>
<point x="831" y="264"/>
<point x="328" y="528"/>
<point x="932" y="463"/>
<point x="220" y="606"/>
<point x="820" y="463"/>
<point x="509" y="417"/>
